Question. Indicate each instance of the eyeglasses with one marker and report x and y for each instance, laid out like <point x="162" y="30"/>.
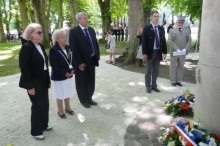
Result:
<point x="39" y="32"/>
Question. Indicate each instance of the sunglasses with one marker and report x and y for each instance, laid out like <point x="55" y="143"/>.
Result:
<point x="39" y="32"/>
<point x="181" y="22"/>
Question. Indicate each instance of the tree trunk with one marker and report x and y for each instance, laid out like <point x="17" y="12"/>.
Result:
<point x="39" y="12"/>
<point x="147" y="11"/>
<point x="73" y="10"/>
<point x="60" y="16"/>
<point x="136" y="19"/>
<point x="23" y="11"/>
<point x="198" y="37"/>
<point x="7" y="15"/>
<point x="48" y="16"/>
<point x="208" y="81"/>
<point x="105" y="14"/>
<point x="2" y="33"/>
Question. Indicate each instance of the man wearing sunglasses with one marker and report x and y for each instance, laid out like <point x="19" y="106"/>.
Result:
<point x="180" y="42"/>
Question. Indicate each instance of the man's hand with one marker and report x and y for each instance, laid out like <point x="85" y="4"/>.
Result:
<point x="145" y="57"/>
<point x="82" y="66"/>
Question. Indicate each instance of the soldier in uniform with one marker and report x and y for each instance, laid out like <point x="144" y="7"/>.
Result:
<point x="180" y="42"/>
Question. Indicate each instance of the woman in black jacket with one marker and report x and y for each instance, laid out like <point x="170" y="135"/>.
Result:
<point x="33" y="62"/>
<point x="61" y="60"/>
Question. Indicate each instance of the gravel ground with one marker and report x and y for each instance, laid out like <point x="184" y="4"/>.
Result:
<point x="121" y="97"/>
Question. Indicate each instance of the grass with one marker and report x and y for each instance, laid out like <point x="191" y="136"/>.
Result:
<point x="9" y="58"/>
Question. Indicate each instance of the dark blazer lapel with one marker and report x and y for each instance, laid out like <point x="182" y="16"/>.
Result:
<point x="36" y="50"/>
<point x="82" y="33"/>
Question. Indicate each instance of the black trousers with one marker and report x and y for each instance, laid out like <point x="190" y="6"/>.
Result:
<point x="39" y="110"/>
<point x="85" y="84"/>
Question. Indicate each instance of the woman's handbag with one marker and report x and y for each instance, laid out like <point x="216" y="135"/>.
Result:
<point x="107" y="46"/>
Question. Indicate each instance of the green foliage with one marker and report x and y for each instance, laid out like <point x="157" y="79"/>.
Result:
<point x="189" y="7"/>
<point x="119" y="8"/>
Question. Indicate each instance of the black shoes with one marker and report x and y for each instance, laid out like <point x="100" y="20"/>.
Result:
<point x="86" y="105"/>
<point x="155" y="89"/>
<point x="179" y="84"/>
<point x="176" y="84"/>
<point x="71" y="112"/>
<point x="62" y="116"/>
<point x="93" y="103"/>
<point x="148" y="90"/>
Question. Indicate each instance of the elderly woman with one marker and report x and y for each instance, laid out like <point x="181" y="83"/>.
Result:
<point x="33" y="62"/>
<point x="61" y="59"/>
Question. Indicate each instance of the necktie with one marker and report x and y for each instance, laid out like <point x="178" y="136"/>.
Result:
<point x="88" y="37"/>
<point x="156" y="38"/>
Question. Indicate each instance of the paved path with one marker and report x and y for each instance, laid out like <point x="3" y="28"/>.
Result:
<point x="126" y="114"/>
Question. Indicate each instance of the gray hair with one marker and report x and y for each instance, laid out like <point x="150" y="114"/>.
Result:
<point x="29" y="30"/>
<point x="57" y="33"/>
<point x="80" y="15"/>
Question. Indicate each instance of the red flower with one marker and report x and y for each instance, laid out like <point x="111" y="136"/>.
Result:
<point x="216" y="136"/>
<point x="184" y="106"/>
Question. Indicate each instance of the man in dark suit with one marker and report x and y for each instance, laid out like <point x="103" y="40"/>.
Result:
<point x="153" y="46"/>
<point x="83" y="43"/>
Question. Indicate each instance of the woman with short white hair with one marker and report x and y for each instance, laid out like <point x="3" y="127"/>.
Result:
<point x="61" y="60"/>
<point x="33" y="62"/>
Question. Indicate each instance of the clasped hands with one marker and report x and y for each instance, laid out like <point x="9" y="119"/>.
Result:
<point x="179" y="52"/>
<point x="68" y="75"/>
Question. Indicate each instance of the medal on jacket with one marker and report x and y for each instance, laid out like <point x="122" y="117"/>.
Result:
<point x="69" y="54"/>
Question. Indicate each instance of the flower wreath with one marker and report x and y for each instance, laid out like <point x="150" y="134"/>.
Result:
<point x="187" y="134"/>
<point x="181" y="105"/>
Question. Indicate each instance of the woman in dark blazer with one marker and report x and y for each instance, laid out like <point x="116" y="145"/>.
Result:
<point x="61" y="60"/>
<point x="33" y="62"/>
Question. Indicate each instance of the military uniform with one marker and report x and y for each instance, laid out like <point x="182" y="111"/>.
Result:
<point x="179" y="38"/>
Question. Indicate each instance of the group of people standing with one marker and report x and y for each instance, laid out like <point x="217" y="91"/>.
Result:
<point x="79" y="58"/>
<point x="154" y="49"/>
<point x="121" y="33"/>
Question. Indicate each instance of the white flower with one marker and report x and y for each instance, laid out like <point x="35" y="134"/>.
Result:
<point x="171" y="143"/>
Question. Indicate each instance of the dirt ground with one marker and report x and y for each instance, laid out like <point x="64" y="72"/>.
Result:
<point x="189" y="72"/>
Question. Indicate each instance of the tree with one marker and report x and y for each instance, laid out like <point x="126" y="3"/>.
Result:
<point x="7" y="14"/>
<point x="24" y="12"/>
<point x="191" y="8"/>
<point x="136" y="19"/>
<point x="105" y="14"/>
<point x="60" y="16"/>
<point x="2" y="34"/>
<point x="73" y="5"/>
<point x="39" y="12"/>
<point x="119" y="8"/>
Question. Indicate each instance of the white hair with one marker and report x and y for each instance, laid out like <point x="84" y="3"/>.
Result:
<point x="29" y="30"/>
<point x="80" y="15"/>
<point x="57" y="33"/>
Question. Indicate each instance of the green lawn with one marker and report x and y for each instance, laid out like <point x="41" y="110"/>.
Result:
<point x="9" y="58"/>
